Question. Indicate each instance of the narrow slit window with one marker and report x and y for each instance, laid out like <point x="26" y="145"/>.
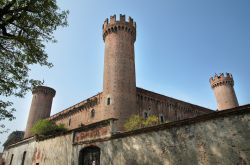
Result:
<point x="108" y="101"/>
<point x="24" y="155"/>
<point x="162" y="119"/>
<point x="92" y="113"/>
<point x="69" y="121"/>
<point x="11" y="158"/>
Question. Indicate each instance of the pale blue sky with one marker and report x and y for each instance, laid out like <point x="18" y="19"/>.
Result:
<point x="180" y="44"/>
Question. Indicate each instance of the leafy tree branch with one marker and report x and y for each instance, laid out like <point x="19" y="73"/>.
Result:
<point x="25" y="27"/>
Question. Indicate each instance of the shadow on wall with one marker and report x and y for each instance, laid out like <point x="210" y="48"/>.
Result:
<point x="220" y="141"/>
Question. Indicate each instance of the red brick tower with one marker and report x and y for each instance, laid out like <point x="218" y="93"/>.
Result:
<point x="40" y="106"/>
<point x="119" y="85"/>
<point x="224" y="91"/>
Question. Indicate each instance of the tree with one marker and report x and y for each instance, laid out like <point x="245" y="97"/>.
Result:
<point x="136" y="122"/>
<point x="47" y="127"/>
<point x="25" y="27"/>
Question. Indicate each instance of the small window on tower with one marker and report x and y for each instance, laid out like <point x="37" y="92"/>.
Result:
<point x="92" y="113"/>
<point x="108" y="101"/>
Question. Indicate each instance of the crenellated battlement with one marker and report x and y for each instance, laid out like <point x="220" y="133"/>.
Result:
<point x="113" y="25"/>
<point x="44" y="90"/>
<point x="221" y="79"/>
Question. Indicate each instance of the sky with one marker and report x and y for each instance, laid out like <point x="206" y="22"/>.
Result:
<point x="180" y="44"/>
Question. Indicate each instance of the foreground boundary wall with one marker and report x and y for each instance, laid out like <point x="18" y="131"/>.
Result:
<point x="217" y="138"/>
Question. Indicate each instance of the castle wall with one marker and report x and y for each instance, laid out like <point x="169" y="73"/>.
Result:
<point x="216" y="138"/>
<point x="84" y="113"/>
<point x="54" y="151"/>
<point x="147" y="102"/>
<point x="169" y="108"/>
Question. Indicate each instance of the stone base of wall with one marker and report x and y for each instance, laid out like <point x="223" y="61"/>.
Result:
<point x="218" y="138"/>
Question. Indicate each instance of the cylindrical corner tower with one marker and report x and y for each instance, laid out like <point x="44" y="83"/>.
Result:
<point x="119" y="84"/>
<point x="223" y="87"/>
<point x="40" y="106"/>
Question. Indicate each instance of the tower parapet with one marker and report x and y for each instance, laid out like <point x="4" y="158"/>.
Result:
<point x="221" y="79"/>
<point x="44" y="90"/>
<point x="223" y="86"/>
<point x="113" y="25"/>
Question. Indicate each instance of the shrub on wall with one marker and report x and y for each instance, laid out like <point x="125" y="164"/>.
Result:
<point x="46" y="127"/>
<point x="150" y="121"/>
<point x="136" y="122"/>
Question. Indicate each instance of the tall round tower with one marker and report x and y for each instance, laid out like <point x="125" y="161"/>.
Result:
<point x="224" y="91"/>
<point x="119" y="85"/>
<point x="40" y="106"/>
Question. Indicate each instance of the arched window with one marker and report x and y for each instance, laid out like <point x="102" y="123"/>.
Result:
<point x="89" y="156"/>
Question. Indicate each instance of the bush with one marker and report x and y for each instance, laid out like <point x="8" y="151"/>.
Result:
<point x="46" y="127"/>
<point x="150" y="121"/>
<point x="136" y="122"/>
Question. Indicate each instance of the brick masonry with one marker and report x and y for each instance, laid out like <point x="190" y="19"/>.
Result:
<point x="223" y="86"/>
<point x="146" y="101"/>
<point x="40" y="106"/>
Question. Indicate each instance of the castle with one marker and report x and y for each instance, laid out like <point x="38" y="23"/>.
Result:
<point x="98" y="121"/>
<point x="120" y="97"/>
